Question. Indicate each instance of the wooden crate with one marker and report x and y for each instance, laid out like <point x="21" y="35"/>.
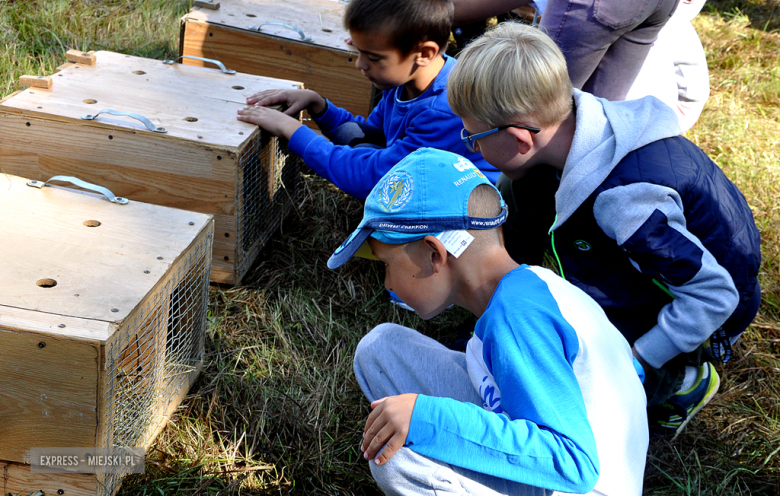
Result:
<point x="102" y="325"/>
<point x="322" y="61"/>
<point x="207" y="161"/>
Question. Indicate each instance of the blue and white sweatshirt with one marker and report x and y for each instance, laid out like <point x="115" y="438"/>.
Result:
<point x="639" y="207"/>
<point x="563" y="406"/>
<point x="426" y="121"/>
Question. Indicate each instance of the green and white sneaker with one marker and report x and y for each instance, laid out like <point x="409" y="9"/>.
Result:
<point x="670" y="417"/>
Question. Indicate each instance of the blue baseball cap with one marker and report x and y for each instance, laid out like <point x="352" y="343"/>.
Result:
<point x="425" y="193"/>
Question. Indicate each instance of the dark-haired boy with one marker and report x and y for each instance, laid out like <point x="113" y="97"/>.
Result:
<point x="545" y="398"/>
<point x="401" y="47"/>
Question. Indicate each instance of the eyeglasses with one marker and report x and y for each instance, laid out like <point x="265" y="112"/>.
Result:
<point x="470" y="139"/>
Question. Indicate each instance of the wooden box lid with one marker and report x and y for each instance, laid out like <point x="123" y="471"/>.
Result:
<point x="192" y="103"/>
<point x="101" y="273"/>
<point x="320" y="21"/>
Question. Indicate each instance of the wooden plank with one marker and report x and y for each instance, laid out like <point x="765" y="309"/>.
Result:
<point x="16" y="478"/>
<point x="207" y="196"/>
<point x="206" y="4"/>
<point x="224" y="249"/>
<point x="121" y="147"/>
<point x="79" y="57"/>
<point x="187" y="101"/>
<point x="176" y="190"/>
<point x="104" y="265"/>
<point x="224" y="273"/>
<point x="36" y="81"/>
<point x="48" y="397"/>
<point x="46" y="325"/>
<point x="329" y="72"/>
<point x="17" y="160"/>
<point x="320" y="20"/>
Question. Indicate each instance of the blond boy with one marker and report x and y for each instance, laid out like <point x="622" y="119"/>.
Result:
<point x="638" y="217"/>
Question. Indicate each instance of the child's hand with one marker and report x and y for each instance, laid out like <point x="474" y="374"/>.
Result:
<point x="387" y="425"/>
<point x="271" y="120"/>
<point x="294" y="100"/>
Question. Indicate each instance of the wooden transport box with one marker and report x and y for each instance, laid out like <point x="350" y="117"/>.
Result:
<point x="302" y="40"/>
<point x="102" y="324"/>
<point x="206" y="161"/>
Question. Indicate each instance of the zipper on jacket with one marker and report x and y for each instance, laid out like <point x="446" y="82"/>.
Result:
<point x="552" y="242"/>
<point x="661" y="285"/>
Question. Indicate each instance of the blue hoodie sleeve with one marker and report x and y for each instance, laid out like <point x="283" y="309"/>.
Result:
<point x="648" y="223"/>
<point x="335" y="116"/>
<point x="356" y="170"/>
<point x="540" y="434"/>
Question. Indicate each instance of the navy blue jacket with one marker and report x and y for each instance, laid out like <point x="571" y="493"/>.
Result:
<point x="652" y="229"/>
<point x="715" y="212"/>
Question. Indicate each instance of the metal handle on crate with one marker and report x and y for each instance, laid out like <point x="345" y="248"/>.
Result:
<point x="303" y="36"/>
<point x="82" y="184"/>
<point x="202" y="59"/>
<point x="146" y="122"/>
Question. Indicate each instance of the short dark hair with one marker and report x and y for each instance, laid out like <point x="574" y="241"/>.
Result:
<point x="407" y="22"/>
<point x="485" y="202"/>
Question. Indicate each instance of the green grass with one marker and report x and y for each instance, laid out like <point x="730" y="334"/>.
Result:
<point x="277" y="409"/>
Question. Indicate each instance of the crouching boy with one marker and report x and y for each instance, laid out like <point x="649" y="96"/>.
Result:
<point x="638" y="216"/>
<point x="545" y="398"/>
<point x="400" y="46"/>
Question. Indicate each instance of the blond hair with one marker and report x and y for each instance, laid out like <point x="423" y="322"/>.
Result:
<point x="512" y="71"/>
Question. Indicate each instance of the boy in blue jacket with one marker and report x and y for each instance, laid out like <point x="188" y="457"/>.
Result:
<point x="638" y="216"/>
<point x="545" y="398"/>
<point x="401" y="46"/>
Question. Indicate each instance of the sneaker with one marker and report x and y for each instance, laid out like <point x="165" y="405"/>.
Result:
<point x="671" y="417"/>
<point x="394" y="299"/>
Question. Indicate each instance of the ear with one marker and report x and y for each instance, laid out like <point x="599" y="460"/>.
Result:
<point x="525" y="139"/>
<point x="426" y="53"/>
<point x="436" y="253"/>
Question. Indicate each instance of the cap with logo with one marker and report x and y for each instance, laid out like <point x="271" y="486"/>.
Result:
<point x="425" y="193"/>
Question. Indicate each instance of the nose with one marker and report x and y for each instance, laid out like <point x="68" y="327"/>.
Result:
<point x="361" y="63"/>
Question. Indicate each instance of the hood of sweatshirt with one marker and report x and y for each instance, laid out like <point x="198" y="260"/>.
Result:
<point x="605" y="133"/>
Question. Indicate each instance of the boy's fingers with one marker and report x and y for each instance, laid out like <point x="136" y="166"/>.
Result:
<point x="294" y="108"/>
<point x="394" y="444"/>
<point x="376" y="442"/>
<point x="370" y="423"/>
<point x="255" y="115"/>
<point x="257" y="96"/>
<point x="268" y="97"/>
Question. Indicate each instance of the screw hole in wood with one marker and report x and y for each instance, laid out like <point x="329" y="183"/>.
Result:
<point x="46" y="283"/>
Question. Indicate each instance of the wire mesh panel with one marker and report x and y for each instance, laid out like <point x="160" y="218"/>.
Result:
<point x="151" y="361"/>
<point x="268" y="185"/>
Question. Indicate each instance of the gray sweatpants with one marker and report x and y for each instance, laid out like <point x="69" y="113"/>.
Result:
<point x="393" y="360"/>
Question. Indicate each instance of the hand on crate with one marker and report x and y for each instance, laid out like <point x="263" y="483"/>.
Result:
<point x="273" y="121"/>
<point x="388" y="426"/>
<point x="294" y="100"/>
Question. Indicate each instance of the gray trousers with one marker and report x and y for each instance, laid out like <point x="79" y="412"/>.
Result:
<point x="605" y="42"/>
<point x="392" y="360"/>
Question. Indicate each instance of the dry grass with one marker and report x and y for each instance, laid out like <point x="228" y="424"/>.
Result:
<point x="732" y="446"/>
<point x="277" y="410"/>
